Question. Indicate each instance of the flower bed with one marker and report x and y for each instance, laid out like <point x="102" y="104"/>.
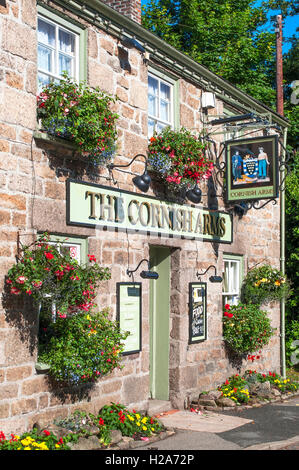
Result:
<point x="113" y="427"/>
<point x="250" y="389"/>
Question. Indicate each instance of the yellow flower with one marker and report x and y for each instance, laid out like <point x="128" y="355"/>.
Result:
<point x="137" y="416"/>
<point x="144" y="420"/>
<point x="130" y="418"/>
<point x="153" y="429"/>
<point x="138" y="424"/>
<point x="27" y="448"/>
<point x="88" y="317"/>
<point x="144" y="428"/>
<point x="25" y="442"/>
<point x="277" y="283"/>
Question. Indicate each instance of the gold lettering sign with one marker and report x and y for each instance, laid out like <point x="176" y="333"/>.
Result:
<point x="93" y="205"/>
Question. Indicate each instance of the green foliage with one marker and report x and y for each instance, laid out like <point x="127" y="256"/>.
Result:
<point x="49" y="275"/>
<point x="246" y="328"/>
<point x="83" y="347"/>
<point x="283" y="385"/>
<point x="132" y="424"/>
<point x="178" y="157"/>
<point x="264" y="284"/>
<point x="80" y="114"/>
<point x="226" y="36"/>
<point x="292" y="345"/>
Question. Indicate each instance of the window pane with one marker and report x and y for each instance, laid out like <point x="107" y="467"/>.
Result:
<point x="46" y="33"/>
<point x="152" y="86"/>
<point x="164" y="110"/>
<point x="152" y="105"/>
<point x="66" y="42"/>
<point x="45" y="58"/>
<point x="43" y="80"/>
<point x="165" y="91"/>
<point x="65" y="64"/>
<point x="160" y="126"/>
<point x="151" y="127"/>
<point x="234" y="277"/>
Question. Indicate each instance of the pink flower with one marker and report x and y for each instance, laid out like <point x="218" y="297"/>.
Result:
<point x="22" y="279"/>
<point x="15" y="291"/>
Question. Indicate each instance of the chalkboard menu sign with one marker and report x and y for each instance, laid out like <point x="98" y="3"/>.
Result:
<point x="129" y="314"/>
<point x="197" y="312"/>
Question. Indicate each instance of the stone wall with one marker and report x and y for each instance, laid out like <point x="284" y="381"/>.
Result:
<point x="33" y="173"/>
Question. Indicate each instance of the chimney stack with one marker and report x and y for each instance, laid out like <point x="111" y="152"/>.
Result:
<point x="129" y="8"/>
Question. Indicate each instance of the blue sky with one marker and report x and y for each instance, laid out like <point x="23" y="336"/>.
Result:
<point x="289" y="26"/>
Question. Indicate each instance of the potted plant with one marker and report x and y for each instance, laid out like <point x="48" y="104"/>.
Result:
<point x="179" y="158"/>
<point x="246" y="328"/>
<point x="50" y="276"/>
<point x="264" y="284"/>
<point x="81" y="115"/>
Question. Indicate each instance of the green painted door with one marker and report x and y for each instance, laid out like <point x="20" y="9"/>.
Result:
<point x="159" y="323"/>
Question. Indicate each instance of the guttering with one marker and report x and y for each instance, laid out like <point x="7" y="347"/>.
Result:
<point x="282" y="254"/>
<point x="108" y="19"/>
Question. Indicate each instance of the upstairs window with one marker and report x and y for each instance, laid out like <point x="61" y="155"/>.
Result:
<point x="57" y="52"/>
<point x="160" y="104"/>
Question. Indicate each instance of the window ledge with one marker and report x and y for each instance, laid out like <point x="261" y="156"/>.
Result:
<point x="42" y="136"/>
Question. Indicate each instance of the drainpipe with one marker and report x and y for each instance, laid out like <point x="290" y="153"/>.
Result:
<point x="282" y="253"/>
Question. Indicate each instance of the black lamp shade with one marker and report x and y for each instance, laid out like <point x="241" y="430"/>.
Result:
<point x="142" y="182"/>
<point x="194" y="194"/>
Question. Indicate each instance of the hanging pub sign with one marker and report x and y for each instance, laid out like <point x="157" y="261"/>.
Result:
<point x="94" y="205"/>
<point x="252" y="169"/>
<point x="197" y="312"/>
<point x="129" y="314"/>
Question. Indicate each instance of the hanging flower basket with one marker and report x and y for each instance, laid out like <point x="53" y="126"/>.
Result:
<point x="264" y="284"/>
<point x="81" y="115"/>
<point x="179" y="159"/>
<point x="50" y="276"/>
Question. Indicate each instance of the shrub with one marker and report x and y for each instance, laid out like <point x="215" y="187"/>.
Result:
<point x="263" y="284"/>
<point x="83" y="347"/>
<point x="235" y="388"/>
<point x="292" y="343"/>
<point x="246" y="328"/>
<point x="79" y="114"/>
<point x="46" y="440"/>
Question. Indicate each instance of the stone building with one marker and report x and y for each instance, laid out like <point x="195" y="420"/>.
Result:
<point x="41" y="180"/>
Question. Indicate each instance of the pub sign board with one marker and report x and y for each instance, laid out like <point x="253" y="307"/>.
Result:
<point x="108" y="208"/>
<point x="197" y="312"/>
<point x="129" y="313"/>
<point x="252" y="169"/>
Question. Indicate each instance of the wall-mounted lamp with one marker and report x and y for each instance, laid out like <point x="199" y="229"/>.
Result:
<point x="144" y="274"/>
<point x="132" y="42"/>
<point x="214" y="278"/>
<point x="208" y="100"/>
<point x="194" y="194"/>
<point x="143" y="181"/>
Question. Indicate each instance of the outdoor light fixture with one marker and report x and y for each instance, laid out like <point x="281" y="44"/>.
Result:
<point x="242" y="117"/>
<point x="142" y="182"/>
<point x="194" y="194"/>
<point x="132" y="42"/>
<point x="208" y="100"/>
<point x="144" y="274"/>
<point x="214" y="278"/>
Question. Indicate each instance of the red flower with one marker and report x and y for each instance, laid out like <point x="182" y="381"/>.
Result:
<point x="226" y="382"/>
<point x="101" y="422"/>
<point x="49" y="255"/>
<point x="47" y="433"/>
<point x="227" y="306"/>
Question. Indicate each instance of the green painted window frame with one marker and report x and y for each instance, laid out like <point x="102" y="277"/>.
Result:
<point x="83" y="242"/>
<point x="240" y="259"/>
<point x="174" y="81"/>
<point x="74" y="27"/>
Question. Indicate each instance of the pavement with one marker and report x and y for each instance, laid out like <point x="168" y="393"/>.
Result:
<point x="274" y="426"/>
